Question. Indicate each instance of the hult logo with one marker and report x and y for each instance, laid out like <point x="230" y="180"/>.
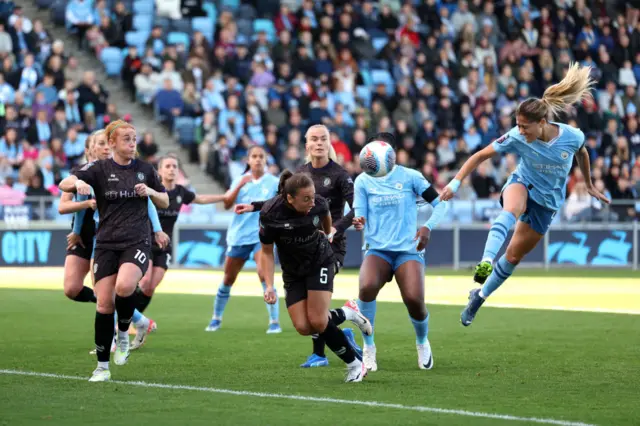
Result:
<point x="25" y="247"/>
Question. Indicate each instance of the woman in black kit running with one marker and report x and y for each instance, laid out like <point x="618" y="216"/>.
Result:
<point x="298" y="221"/>
<point x="334" y="184"/>
<point x="122" y="186"/>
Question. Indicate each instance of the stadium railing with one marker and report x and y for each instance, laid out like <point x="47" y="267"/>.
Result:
<point x="453" y="245"/>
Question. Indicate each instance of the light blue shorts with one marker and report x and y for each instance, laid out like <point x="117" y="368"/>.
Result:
<point x="243" y="252"/>
<point x="396" y="258"/>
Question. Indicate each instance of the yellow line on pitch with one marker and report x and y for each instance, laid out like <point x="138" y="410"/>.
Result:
<point x="620" y="295"/>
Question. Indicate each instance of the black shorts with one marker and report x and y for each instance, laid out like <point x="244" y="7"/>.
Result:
<point x="108" y="262"/>
<point x="160" y="258"/>
<point x="295" y="288"/>
<point x="83" y="252"/>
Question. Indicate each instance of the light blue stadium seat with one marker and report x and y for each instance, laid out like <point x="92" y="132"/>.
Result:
<point x="137" y="39"/>
<point x="383" y="77"/>
<point x="175" y="37"/>
<point x="143" y="7"/>
<point x="111" y="58"/>
<point x="184" y="129"/>
<point x="267" y="26"/>
<point x="230" y="4"/>
<point x="143" y="22"/>
<point x="205" y="26"/>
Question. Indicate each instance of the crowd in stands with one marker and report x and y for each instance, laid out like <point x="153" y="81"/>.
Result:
<point x="443" y="76"/>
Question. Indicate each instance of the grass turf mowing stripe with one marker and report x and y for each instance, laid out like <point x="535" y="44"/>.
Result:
<point x="373" y="404"/>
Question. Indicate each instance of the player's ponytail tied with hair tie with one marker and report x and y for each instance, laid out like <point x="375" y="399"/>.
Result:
<point x="286" y="174"/>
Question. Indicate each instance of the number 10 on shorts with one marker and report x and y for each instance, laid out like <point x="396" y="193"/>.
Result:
<point x="140" y="257"/>
<point x="323" y="276"/>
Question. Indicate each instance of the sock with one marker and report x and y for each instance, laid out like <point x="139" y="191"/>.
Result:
<point x="125" y="307"/>
<point x="422" y="329"/>
<point x="318" y="345"/>
<point x="338" y="343"/>
<point x="338" y="316"/>
<point x="498" y="233"/>
<point x="501" y="272"/>
<point x="104" y="365"/>
<point x="220" y="302"/>
<point x="103" y="336"/>
<point x="142" y="300"/>
<point x="85" y="295"/>
<point x="138" y="319"/>
<point x="368" y="309"/>
<point x="273" y="310"/>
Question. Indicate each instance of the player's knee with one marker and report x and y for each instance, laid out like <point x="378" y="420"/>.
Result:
<point x="513" y="256"/>
<point x="368" y="291"/>
<point x="318" y="322"/>
<point x="105" y="305"/>
<point x="303" y="327"/>
<point x="72" y="288"/>
<point x="229" y="278"/>
<point x="125" y="288"/>
<point x="416" y="307"/>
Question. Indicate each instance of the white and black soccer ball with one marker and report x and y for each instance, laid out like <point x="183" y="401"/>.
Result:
<point x="377" y="158"/>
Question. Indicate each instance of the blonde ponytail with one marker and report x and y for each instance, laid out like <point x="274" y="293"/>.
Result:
<point x="573" y="88"/>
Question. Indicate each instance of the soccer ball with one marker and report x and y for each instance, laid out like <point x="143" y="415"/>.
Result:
<point x="377" y="159"/>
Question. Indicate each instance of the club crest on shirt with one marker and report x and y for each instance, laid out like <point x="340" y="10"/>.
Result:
<point x="564" y="155"/>
<point x="327" y="181"/>
<point x="316" y="220"/>
<point x="399" y="185"/>
<point x="140" y="176"/>
<point x="179" y="199"/>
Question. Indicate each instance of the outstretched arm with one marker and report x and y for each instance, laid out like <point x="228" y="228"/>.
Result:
<point x="582" y="157"/>
<point x="469" y="166"/>
<point x="208" y="199"/>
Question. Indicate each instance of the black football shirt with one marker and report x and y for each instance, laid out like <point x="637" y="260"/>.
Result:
<point x="169" y="216"/>
<point x="124" y="216"/>
<point x="88" y="229"/>
<point x="302" y="248"/>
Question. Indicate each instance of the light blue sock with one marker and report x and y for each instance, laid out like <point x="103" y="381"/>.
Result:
<point x="498" y="233"/>
<point x="368" y="309"/>
<point x="501" y="272"/>
<point x="273" y="310"/>
<point x="220" y="302"/>
<point x="422" y="329"/>
<point x="137" y="317"/>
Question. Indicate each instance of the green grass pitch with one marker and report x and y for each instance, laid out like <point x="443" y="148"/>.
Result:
<point x="552" y="366"/>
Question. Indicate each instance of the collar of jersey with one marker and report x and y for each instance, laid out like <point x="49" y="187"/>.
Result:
<point x="120" y="166"/>
<point x="320" y="168"/>
<point x="554" y="140"/>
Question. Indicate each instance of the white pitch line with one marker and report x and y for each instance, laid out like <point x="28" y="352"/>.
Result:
<point x="373" y="404"/>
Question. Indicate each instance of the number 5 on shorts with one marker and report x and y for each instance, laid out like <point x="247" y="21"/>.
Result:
<point x="323" y="276"/>
<point x="140" y="257"/>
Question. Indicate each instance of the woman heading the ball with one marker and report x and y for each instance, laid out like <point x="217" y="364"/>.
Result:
<point x="332" y="182"/>
<point x="385" y="204"/>
<point x="536" y="190"/>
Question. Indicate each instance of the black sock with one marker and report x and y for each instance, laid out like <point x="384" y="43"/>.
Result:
<point x="337" y="342"/>
<point x="337" y="316"/>
<point x="142" y="300"/>
<point x="103" y="336"/>
<point x="318" y="345"/>
<point x="85" y="295"/>
<point x="125" y="307"/>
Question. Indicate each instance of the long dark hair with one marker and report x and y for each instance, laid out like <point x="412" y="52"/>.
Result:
<point x="290" y="183"/>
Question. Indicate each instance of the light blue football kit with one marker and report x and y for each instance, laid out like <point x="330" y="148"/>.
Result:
<point x="543" y="169"/>
<point x="389" y="206"/>
<point x="243" y="241"/>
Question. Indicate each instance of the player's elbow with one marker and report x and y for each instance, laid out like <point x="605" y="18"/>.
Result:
<point x="162" y="201"/>
<point x="63" y="208"/>
<point x="228" y="203"/>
